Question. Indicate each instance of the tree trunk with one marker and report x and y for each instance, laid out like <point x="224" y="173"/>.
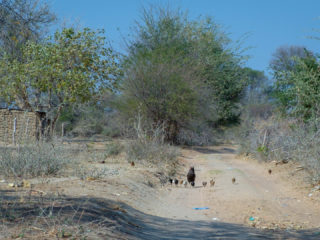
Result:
<point x="173" y="132"/>
<point x="54" y="120"/>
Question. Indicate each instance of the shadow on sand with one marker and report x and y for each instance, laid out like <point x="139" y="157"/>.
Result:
<point x="129" y="223"/>
<point x="206" y="150"/>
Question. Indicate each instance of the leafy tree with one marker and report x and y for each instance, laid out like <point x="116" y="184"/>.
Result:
<point x="178" y="71"/>
<point x="22" y="21"/>
<point x="257" y="101"/>
<point x="284" y="58"/>
<point x="297" y="89"/>
<point x="71" y="67"/>
<point x="258" y="88"/>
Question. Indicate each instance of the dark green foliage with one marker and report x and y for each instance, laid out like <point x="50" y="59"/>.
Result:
<point x="180" y="71"/>
<point x="73" y="66"/>
<point x="94" y="117"/>
<point x="297" y="89"/>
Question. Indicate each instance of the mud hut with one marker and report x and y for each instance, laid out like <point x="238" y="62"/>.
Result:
<point x="17" y="124"/>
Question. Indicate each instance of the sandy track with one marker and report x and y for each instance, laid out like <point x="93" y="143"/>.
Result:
<point x="132" y="205"/>
<point x="273" y="202"/>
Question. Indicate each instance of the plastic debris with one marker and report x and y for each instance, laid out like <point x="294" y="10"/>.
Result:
<point x="316" y="188"/>
<point x="310" y="194"/>
<point x="200" y="208"/>
<point x="251" y="218"/>
<point x="215" y="219"/>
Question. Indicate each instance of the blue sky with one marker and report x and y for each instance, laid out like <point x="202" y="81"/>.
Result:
<point x="270" y="23"/>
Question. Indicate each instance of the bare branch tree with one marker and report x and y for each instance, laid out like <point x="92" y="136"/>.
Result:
<point x="21" y="21"/>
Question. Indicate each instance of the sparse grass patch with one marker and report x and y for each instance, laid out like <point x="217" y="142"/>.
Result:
<point x="34" y="159"/>
<point x="94" y="173"/>
<point x="150" y="151"/>
<point x="108" y="153"/>
<point x="95" y="156"/>
<point x="284" y="139"/>
<point x="150" y="147"/>
<point x="48" y="217"/>
<point x="215" y="171"/>
<point x="113" y="149"/>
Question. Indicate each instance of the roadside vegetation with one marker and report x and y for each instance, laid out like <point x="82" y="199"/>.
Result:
<point x="184" y="79"/>
<point x="181" y="82"/>
<point x="281" y="121"/>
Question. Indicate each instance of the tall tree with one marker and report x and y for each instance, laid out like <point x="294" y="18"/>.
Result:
<point x="22" y="21"/>
<point x="258" y="88"/>
<point x="71" y="67"/>
<point x="297" y="86"/>
<point x="178" y="71"/>
<point x="284" y="58"/>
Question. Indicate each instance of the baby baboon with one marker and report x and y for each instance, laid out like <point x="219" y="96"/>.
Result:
<point x="212" y="182"/>
<point x="176" y="182"/>
<point x="233" y="180"/>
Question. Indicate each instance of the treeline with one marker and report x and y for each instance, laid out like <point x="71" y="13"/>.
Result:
<point x="180" y="77"/>
<point x="284" y="126"/>
<point x="184" y="75"/>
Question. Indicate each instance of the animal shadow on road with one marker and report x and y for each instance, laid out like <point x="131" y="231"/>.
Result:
<point x="121" y="221"/>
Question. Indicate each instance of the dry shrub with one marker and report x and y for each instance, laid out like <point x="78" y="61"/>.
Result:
<point x="84" y="172"/>
<point x="283" y="139"/>
<point x="113" y="149"/>
<point x="33" y="159"/>
<point x="47" y="217"/>
<point x="198" y="135"/>
<point x="150" y="145"/>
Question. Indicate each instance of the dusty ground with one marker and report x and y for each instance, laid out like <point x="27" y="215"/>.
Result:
<point x="131" y="203"/>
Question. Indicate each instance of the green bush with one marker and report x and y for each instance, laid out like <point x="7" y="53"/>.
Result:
<point x="297" y="90"/>
<point x="179" y="71"/>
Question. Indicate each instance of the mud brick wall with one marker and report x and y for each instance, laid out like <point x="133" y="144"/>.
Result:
<point x="27" y="125"/>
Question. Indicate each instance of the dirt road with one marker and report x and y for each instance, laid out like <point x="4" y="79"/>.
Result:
<point x="257" y="205"/>
<point x="130" y="203"/>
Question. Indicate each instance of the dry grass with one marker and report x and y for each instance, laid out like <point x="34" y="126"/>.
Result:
<point x="42" y="211"/>
<point x="30" y="213"/>
<point x="33" y="159"/>
<point x="61" y="209"/>
<point x="57" y="217"/>
<point x="283" y="140"/>
<point x="149" y="147"/>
